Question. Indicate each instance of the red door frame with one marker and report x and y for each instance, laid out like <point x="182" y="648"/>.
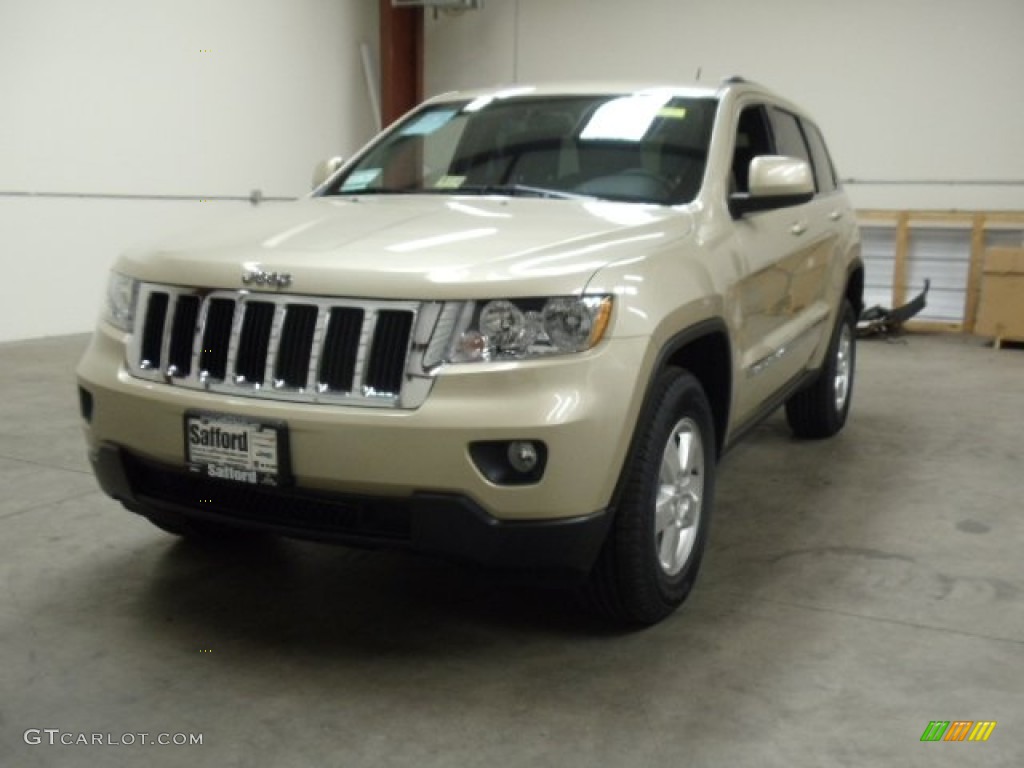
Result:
<point x="401" y="57"/>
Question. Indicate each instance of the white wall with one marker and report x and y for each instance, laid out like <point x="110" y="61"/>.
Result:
<point x="197" y="98"/>
<point x="905" y="90"/>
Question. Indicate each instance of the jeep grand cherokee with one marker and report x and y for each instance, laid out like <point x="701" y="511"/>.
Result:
<point x="519" y="329"/>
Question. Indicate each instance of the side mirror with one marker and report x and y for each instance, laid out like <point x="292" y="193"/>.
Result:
<point x="323" y="170"/>
<point x="775" y="182"/>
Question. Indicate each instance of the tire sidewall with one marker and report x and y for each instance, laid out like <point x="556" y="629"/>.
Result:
<point x="682" y="398"/>
<point x="846" y="319"/>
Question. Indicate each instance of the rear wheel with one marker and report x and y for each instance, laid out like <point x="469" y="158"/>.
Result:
<point x="654" y="549"/>
<point x="820" y="410"/>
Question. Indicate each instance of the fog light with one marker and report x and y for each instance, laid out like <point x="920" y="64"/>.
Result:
<point x="522" y="455"/>
<point x="510" y="462"/>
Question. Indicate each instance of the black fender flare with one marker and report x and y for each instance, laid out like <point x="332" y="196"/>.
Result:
<point x="714" y="326"/>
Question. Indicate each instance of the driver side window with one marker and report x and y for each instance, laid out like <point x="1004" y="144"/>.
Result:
<point x="753" y="138"/>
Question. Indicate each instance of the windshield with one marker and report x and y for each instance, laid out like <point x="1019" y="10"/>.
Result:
<point x="648" y="147"/>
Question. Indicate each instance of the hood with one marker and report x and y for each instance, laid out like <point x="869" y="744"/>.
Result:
<point x="416" y="246"/>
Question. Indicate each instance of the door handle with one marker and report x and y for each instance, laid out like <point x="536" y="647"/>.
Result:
<point x="798" y="229"/>
<point x="835" y="215"/>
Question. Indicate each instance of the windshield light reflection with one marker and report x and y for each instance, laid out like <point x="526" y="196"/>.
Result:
<point x="627" y="118"/>
<point x="564" y="405"/>
<point x="617" y="213"/>
<point x="288" y="234"/>
<point x="473" y="210"/>
<point x="550" y="265"/>
<point x="482" y="101"/>
<point x="438" y="240"/>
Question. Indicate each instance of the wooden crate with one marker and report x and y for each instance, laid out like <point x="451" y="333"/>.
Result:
<point x="1001" y="311"/>
<point x="978" y="223"/>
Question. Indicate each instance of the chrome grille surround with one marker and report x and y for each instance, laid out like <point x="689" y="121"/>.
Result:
<point x="384" y="367"/>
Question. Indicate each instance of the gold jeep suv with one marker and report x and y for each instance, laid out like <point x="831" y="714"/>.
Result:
<point x="518" y="329"/>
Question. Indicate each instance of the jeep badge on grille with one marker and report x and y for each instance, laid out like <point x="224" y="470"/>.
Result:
<point x="272" y="279"/>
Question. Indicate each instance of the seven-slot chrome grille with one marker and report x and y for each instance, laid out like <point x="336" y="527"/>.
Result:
<point x="280" y="346"/>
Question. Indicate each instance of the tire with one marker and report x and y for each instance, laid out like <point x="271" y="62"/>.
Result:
<point x="654" y="548"/>
<point x="820" y="409"/>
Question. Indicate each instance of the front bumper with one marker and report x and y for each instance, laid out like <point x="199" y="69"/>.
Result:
<point x="442" y="524"/>
<point x="406" y="477"/>
<point x="582" y="407"/>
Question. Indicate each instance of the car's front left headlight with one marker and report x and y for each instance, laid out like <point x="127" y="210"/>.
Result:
<point x="122" y="297"/>
<point x="519" y="329"/>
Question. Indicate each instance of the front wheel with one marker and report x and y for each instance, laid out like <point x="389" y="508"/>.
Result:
<point x="820" y="410"/>
<point x="654" y="549"/>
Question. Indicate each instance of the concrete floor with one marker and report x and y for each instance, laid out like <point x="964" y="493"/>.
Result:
<point x="854" y="590"/>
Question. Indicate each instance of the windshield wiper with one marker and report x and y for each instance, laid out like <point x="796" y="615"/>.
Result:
<point x="511" y="190"/>
<point x="517" y="190"/>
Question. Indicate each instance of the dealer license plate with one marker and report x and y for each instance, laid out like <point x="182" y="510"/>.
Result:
<point x="236" y="449"/>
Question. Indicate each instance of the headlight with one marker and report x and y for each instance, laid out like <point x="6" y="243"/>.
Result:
<point x="122" y="296"/>
<point x="517" y="329"/>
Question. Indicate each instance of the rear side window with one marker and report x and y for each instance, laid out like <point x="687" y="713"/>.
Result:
<point x="824" y="171"/>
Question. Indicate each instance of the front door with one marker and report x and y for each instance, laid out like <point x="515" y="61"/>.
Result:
<point x="784" y="258"/>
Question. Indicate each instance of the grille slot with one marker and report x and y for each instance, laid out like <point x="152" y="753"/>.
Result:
<point x="183" y="334"/>
<point x="217" y="338"/>
<point x="309" y="349"/>
<point x="253" y="344"/>
<point x="296" y="347"/>
<point x="153" y="331"/>
<point x="390" y="346"/>
<point x="341" y="347"/>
